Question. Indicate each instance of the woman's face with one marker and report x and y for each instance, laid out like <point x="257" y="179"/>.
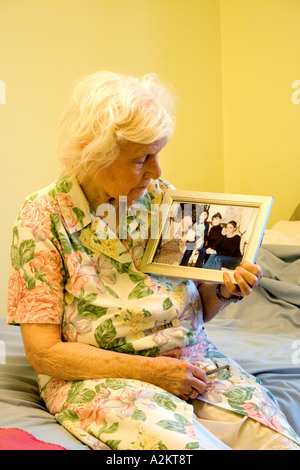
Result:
<point x="130" y="174"/>
<point x="202" y="217"/>
<point x="230" y="229"/>
<point x="215" y="221"/>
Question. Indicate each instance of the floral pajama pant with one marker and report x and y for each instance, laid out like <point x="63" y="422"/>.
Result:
<point x="123" y="414"/>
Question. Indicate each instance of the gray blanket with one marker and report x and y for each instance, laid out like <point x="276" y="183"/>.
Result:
<point x="262" y="333"/>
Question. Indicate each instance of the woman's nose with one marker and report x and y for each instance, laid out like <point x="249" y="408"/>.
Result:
<point x="153" y="170"/>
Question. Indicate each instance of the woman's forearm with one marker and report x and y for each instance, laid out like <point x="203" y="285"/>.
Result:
<point x="78" y="361"/>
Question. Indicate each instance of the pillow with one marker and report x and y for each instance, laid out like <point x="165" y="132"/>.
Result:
<point x="284" y="232"/>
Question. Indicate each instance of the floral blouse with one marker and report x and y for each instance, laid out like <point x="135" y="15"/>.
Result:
<point x="68" y="268"/>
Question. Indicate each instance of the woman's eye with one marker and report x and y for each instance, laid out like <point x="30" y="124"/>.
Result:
<point x="141" y="162"/>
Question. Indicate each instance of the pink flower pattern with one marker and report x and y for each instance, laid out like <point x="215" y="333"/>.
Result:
<point x="49" y="264"/>
<point x="66" y="206"/>
<point x="78" y="272"/>
<point x="16" y="290"/>
<point x="39" y="305"/>
<point x="56" y="394"/>
<point x="36" y="216"/>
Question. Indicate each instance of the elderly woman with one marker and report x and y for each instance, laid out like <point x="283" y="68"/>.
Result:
<point x="122" y="357"/>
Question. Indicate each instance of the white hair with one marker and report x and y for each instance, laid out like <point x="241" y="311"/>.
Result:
<point x="107" y="109"/>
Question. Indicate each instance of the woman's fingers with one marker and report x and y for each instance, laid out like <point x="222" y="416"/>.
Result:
<point x="195" y="384"/>
<point x="252" y="272"/>
<point x="232" y="288"/>
<point x="198" y="373"/>
<point x="192" y="395"/>
<point x="179" y="377"/>
<point x="247" y="276"/>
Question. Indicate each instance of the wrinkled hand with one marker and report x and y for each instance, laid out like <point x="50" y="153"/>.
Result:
<point x="247" y="275"/>
<point x="178" y="377"/>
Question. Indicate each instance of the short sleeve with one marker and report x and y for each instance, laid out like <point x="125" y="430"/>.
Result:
<point x="36" y="280"/>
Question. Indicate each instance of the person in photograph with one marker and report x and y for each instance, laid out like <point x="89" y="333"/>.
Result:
<point x="195" y="249"/>
<point x="202" y="221"/>
<point x="122" y="356"/>
<point x="215" y="230"/>
<point x="226" y="252"/>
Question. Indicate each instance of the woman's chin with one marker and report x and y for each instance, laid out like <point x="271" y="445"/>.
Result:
<point x="136" y="194"/>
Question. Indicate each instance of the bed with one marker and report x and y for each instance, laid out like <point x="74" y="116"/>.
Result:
<point x="262" y="334"/>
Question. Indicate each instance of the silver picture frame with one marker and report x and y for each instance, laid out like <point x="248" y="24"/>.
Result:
<point x="167" y="243"/>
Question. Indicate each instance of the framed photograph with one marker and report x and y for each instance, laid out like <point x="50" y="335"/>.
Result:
<point x="198" y="235"/>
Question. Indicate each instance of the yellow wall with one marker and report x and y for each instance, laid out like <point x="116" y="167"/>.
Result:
<point x="45" y="45"/>
<point x="232" y="62"/>
<point x="261" y="60"/>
